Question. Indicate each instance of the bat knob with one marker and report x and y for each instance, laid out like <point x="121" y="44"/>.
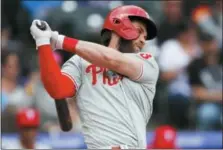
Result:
<point x="41" y="26"/>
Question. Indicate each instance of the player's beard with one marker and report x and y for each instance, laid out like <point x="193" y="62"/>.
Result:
<point x="126" y="46"/>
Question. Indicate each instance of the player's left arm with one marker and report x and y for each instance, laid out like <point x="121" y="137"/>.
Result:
<point x="110" y="58"/>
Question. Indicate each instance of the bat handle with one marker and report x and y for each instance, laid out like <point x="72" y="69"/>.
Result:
<point x="41" y="26"/>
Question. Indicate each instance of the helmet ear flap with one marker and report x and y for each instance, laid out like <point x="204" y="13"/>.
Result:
<point x="128" y="30"/>
<point x="125" y="29"/>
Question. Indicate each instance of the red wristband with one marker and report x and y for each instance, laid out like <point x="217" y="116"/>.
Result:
<point x="69" y="44"/>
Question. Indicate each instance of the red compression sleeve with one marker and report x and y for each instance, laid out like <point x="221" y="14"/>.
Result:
<point x="69" y="44"/>
<point x="58" y="86"/>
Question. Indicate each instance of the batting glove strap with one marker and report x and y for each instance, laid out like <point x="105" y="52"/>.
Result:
<point x="42" y="41"/>
<point x="59" y="44"/>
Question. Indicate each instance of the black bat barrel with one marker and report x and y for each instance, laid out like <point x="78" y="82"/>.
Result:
<point x="63" y="115"/>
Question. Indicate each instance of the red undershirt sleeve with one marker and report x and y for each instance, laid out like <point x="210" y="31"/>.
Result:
<point x="58" y="86"/>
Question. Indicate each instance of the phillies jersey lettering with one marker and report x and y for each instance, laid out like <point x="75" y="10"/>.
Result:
<point x="114" y="110"/>
<point x="95" y="71"/>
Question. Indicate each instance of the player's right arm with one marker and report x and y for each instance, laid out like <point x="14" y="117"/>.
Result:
<point x="57" y="84"/>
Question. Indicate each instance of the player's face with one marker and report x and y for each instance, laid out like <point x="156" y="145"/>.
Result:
<point x="11" y="67"/>
<point x="29" y="133"/>
<point x="140" y="42"/>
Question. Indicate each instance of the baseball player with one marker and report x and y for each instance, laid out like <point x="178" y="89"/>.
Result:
<point x="114" y="83"/>
<point x="164" y="138"/>
<point x="28" y="121"/>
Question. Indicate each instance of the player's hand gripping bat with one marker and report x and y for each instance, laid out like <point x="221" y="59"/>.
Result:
<point x="61" y="104"/>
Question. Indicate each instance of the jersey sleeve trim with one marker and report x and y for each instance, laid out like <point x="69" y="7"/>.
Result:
<point x="141" y="73"/>
<point x="72" y="79"/>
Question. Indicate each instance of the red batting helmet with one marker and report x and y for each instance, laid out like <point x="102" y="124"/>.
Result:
<point x="28" y="118"/>
<point x="118" y="20"/>
<point x="165" y="137"/>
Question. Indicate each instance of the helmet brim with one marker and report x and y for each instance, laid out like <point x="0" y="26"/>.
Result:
<point x="150" y="26"/>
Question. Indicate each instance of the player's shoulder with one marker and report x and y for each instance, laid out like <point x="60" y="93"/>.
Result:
<point x="143" y="55"/>
<point x="75" y="59"/>
<point x="147" y="58"/>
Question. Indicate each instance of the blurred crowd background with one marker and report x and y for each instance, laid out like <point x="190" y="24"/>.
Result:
<point x="188" y="49"/>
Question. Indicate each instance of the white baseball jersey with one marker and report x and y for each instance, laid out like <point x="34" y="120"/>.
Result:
<point x="114" y="110"/>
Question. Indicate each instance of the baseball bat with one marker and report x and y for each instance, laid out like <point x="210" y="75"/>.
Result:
<point x="63" y="112"/>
